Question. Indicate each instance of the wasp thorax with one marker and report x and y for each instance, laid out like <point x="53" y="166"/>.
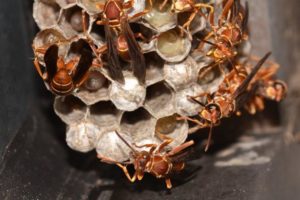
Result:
<point x="113" y="9"/>
<point x="223" y="50"/>
<point x="233" y="34"/>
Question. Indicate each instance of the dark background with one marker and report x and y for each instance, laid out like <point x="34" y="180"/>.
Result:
<point x="35" y="162"/>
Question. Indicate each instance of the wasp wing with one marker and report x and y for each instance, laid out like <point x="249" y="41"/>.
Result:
<point x="83" y="65"/>
<point x="137" y="58"/>
<point x="235" y="8"/>
<point x="50" y="58"/>
<point x="114" y="65"/>
<point x="242" y="88"/>
<point x="246" y="96"/>
<point x="245" y="18"/>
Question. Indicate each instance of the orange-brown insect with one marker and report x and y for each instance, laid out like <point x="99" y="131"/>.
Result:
<point x="273" y="89"/>
<point x="156" y="161"/>
<point x="120" y="39"/>
<point x="265" y="86"/>
<point x="62" y="77"/>
<point x="224" y="103"/>
<point x="189" y="6"/>
<point x="266" y="89"/>
<point x="230" y="31"/>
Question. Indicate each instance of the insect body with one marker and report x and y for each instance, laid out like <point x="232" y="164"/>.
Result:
<point x="189" y="6"/>
<point x="63" y="77"/>
<point x="156" y="161"/>
<point x="230" y="31"/>
<point x="225" y="101"/>
<point x="120" y="39"/>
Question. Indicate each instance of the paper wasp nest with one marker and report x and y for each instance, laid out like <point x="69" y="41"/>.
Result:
<point x="101" y="105"/>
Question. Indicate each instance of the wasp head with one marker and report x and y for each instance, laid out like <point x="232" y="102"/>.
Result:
<point x="140" y="164"/>
<point x="212" y="113"/>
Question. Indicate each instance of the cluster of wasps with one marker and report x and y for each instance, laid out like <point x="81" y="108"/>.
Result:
<point x="244" y="87"/>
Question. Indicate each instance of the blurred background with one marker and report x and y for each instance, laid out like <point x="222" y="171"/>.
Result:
<point x="259" y="159"/>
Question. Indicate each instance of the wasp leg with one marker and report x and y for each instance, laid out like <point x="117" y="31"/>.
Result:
<point x="226" y="10"/>
<point x="187" y="24"/>
<point x="209" y="138"/>
<point x="211" y="11"/>
<point x="38" y="69"/>
<point x="124" y="168"/>
<point x="168" y="183"/>
<point x="144" y="12"/>
<point x="192" y="120"/>
<point x="129" y="4"/>
<point x="151" y="146"/>
<point x="181" y="147"/>
<point x="163" y="4"/>
<point x="164" y="144"/>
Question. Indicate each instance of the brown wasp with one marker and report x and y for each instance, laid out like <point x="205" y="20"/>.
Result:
<point x="62" y="77"/>
<point x="265" y="87"/>
<point x="189" y="6"/>
<point x="225" y="102"/>
<point x="230" y="31"/>
<point x="120" y="39"/>
<point x="273" y="89"/>
<point x="156" y="161"/>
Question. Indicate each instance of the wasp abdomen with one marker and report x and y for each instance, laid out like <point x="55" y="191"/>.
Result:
<point x="62" y="83"/>
<point x="161" y="166"/>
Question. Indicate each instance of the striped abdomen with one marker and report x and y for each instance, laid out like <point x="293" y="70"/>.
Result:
<point x="62" y="83"/>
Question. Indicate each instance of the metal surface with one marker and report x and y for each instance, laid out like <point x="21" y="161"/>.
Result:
<point x="37" y="164"/>
<point x="15" y="67"/>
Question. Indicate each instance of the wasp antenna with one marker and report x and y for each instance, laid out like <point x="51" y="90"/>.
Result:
<point x="196" y="101"/>
<point x="246" y="16"/>
<point x="123" y="139"/>
<point x="208" y="42"/>
<point x="209" y="137"/>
